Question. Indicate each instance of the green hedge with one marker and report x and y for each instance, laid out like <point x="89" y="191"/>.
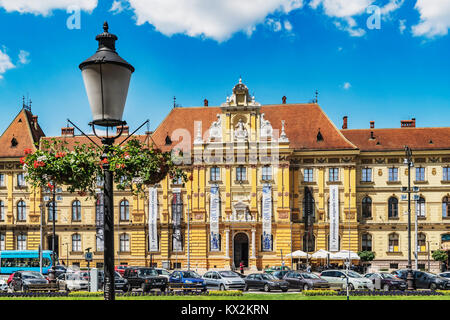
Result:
<point x="319" y="292"/>
<point x="225" y="293"/>
<point x="85" y="294"/>
<point x="444" y="292"/>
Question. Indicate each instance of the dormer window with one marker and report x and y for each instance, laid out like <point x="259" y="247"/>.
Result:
<point x="168" y="140"/>
<point x="319" y="136"/>
<point x="14" y="142"/>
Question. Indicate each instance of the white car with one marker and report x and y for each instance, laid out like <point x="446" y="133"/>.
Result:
<point x="163" y="273"/>
<point x="338" y="280"/>
<point x="72" y="281"/>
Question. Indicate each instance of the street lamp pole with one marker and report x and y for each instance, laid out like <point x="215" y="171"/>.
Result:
<point x="106" y="78"/>
<point x="51" y="272"/>
<point x="408" y="161"/>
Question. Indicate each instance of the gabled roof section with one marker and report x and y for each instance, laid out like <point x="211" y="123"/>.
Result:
<point x="71" y="141"/>
<point x="302" y="125"/>
<point x="398" y="138"/>
<point x="22" y="133"/>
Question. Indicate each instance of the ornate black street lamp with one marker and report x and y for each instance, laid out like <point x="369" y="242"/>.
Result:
<point x="106" y="78"/>
<point x="408" y="161"/>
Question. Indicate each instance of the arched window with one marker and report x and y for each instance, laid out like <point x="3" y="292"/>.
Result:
<point x="309" y="242"/>
<point x="76" y="242"/>
<point x="421" y="242"/>
<point x="51" y="210"/>
<point x="446" y="207"/>
<point x="366" y="242"/>
<point x="367" y="207"/>
<point x="393" y="242"/>
<point x="124" y="207"/>
<point x="420" y="207"/>
<point x="393" y="207"/>
<point x="22" y="242"/>
<point x="21" y="211"/>
<point x="2" y="210"/>
<point x="124" y="240"/>
<point x="76" y="210"/>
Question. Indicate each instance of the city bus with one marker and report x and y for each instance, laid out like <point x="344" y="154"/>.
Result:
<point x="26" y="260"/>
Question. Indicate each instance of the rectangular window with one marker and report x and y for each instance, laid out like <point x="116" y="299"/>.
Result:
<point x="215" y="174"/>
<point x="124" y="243"/>
<point x="76" y="243"/>
<point x="20" y="180"/>
<point x="446" y="174"/>
<point x="2" y="180"/>
<point x="420" y="174"/>
<point x="2" y="211"/>
<point x="333" y="174"/>
<point x="366" y="174"/>
<point x="241" y="173"/>
<point x="393" y="174"/>
<point x="21" y="242"/>
<point x="393" y="265"/>
<point x="2" y="242"/>
<point x="267" y="173"/>
<point x="308" y="175"/>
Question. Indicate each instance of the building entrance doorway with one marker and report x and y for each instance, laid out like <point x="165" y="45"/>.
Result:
<point x="240" y="249"/>
<point x="49" y="244"/>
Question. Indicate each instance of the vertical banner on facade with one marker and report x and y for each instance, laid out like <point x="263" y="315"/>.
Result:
<point x="267" y="217"/>
<point x="177" y="211"/>
<point x="152" y="219"/>
<point x="99" y="219"/>
<point x="214" y="207"/>
<point x="334" y="218"/>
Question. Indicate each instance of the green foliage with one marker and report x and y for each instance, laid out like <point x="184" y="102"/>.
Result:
<point x="440" y="255"/>
<point x="230" y="293"/>
<point x="85" y="294"/>
<point x="134" y="166"/>
<point x="319" y="293"/>
<point x="444" y="292"/>
<point x="366" y="255"/>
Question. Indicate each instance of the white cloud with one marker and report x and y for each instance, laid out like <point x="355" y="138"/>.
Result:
<point x="23" y="57"/>
<point x="434" y="18"/>
<point x="216" y="19"/>
<point x="273" y="24"/>
<point x="287" y="25"/>
<point x="402" y="26"/>
<point x="346" y="85"/>
<point x="44" y="7"/>
<point x="117" y="7"/>
<point x="5" y="62"/>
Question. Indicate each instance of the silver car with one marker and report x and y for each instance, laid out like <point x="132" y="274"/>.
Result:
<point x="223" y="280"/>
<point x="338" y="280"/>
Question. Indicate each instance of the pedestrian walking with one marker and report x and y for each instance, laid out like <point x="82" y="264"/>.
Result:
<point x="241" y="266"/>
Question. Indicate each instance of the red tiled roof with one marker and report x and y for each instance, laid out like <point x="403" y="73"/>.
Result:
<point x="23" y="130"/>
<point x="397" y="139"/>
<point x="302" y="124"/>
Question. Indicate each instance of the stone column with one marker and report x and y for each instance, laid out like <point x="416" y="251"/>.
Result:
<point x="227" y="264"/>
<point x="252" y="263"/>
<point x="253" y="244"/>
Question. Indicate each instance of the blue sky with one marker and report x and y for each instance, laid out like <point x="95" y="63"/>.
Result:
<point x="196" y="49"/>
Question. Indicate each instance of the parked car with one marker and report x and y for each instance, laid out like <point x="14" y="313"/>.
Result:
<point x="120" y="283"/>
<point x="305" y="280"/>
<point x="386" y="281"/>
<point x="276" y="268"/>
<point x="26" y="280"/>
<point x="120" y="269"/>
<point x="224" y="280"/>
<point x="189" y="279"/>
<point x="60" y="269"/>
<point x="338" y="279"/>
<point x="445" y="274"/>
<point x="163" y="273"/>
<point x="144" y="278"/>
<point x="265" y="281"/>
<point x="72" y="281"/>
<point x="424" y="280"/>
<point x="280" y="273"/>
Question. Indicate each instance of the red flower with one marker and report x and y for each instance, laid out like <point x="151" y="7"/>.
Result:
<point x="38" y="164"/>
<point x="120" y="166"/>
<point x="27" y="151"/>
<point x="60" y="154"/>
<point x="104" y="161"/>
<point x="22" y="160"/>
<point x="50" y="186"/>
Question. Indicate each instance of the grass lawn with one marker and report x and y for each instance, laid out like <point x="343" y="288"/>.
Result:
<point x="248" y="296"/>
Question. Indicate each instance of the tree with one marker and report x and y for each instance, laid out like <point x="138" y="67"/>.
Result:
<point x="366" y="256"/>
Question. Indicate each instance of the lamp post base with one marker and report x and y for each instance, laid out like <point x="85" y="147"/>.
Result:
<point x="410" y="278"/>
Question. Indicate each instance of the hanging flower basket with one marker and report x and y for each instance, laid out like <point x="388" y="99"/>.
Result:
<point x="134" y="166"/>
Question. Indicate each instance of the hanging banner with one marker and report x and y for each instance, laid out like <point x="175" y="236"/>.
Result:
<point x="99" y="219"/>
<point x="152" y="219"/>
<point x="214" y="208"/>
<point x="177" y="211"/>
<point x="334" y="218"/>
<point x="267" y="217"/>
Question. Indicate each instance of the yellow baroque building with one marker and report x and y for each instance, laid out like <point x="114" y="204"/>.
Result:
<point x="261" y="179"/>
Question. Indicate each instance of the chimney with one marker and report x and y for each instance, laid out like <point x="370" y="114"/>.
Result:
<point x="372" y="137"/>
<point x="283" y="99"/>
<point x="34" y="121"/>
<point x="372" y="124"/>
<point x="408" y="123"/>
<point x="126" y="130"/>
<point x="344" y="126"/>
<point x="67" y="132"/>
<point x="205" y="102"/>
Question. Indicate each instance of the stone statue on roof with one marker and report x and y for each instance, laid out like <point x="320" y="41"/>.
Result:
<point x="240" y="132"/>
<point x="266" y="127"/>
<point x="215" y="131"/>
